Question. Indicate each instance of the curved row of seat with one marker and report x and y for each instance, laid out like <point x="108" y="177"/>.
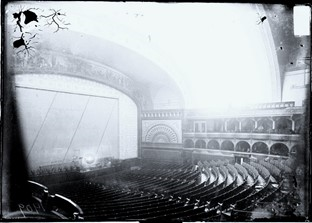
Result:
<point x="276" y="172"/>
<point x="251" y="170"/>
<point x="264" y="173"/>
<point x="283" y="166"/>
<point x="172" y="191"/>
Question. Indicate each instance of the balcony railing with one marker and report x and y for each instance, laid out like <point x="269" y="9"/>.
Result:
<point x="241" y="135"/>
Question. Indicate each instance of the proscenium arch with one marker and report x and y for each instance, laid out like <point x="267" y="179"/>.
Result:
<point x="242" y="146"/>
<point x="98" y="60"/>
<point x="260" y="147"/>
<point x="53" y="97"/>
<point x="213" y="144"/>
<point x="279" y="149"/>
<point x="227" y="145"/>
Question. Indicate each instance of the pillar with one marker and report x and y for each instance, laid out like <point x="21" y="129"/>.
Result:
<point x="292" y="125"/>
<point x="225" y="125"/>
<point x="273" y="124"/>
<point x="240" y="125"/>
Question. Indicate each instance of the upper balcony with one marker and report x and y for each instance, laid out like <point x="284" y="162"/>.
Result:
<point x="243" y="135"/>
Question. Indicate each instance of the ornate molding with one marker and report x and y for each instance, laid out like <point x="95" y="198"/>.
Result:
<point x="56" y="63"/>
<point x="161" y="133"/>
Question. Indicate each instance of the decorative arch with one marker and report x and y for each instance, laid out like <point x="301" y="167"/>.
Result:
<point x="279" y="149"/>
<point x="213" y="144"/>
<point x="232" y="125"/>
<point x="200" y="144"/>
<point x="248" y="125"/>
<point x="188" y="143"/>
<point x="283" y="125"/>
<point x="265" y="125"/>
<point x="227" y="145"/>
<point x="260" y="147"/>
<point x="294" y="150"/>
<point x="242" y="146"/>
<point x="161" y="134"/>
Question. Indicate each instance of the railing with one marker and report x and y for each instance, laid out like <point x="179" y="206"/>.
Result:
<point x="228" y="152"/>
<point x="66" y="206"/>
<point x="39" y="191"/>
<point x="172" y="114"/>
<point x="275" y="105"/>
<point x="57" y="204"/>
<point x="237" y="135"/>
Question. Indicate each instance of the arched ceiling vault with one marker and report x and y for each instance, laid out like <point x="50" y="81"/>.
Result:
<point x="190" y="52"/>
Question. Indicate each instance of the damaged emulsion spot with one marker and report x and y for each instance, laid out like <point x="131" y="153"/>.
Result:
<point x="21" y="42"/>
<point x="24" y="17"/>
<point x="29" y="17"/>
<point x="261" y="19"/>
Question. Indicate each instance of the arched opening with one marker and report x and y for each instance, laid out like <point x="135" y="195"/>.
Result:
<point x="283" y="125"/>
<point x="294" y="150"/>
<point x="188" y="143"/>
<point x="242" y="146"/>
<point x="279" y="149"/>
<point x="210" y="125"/>
<point x="218" y="126"/>
<point x="264" y="125"/>
<point x="161" y="138"/>
<point x="298" y="123"/>
<point x="200" y="144"/>
<point x="260" y="147"/>
<point x="213" y="144"/>
<point x="232" y="125"/>
<point x="227" y="145"/>
<point x="248" y="125"/>
<point x="161" y="134"/>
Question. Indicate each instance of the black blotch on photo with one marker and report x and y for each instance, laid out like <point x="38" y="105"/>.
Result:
<point x="18" y="43"/>
<point x="263" y="18"/>
<point x="30" y="16"/>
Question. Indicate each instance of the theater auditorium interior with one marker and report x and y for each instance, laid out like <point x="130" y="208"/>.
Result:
<point x="119" y="111"/>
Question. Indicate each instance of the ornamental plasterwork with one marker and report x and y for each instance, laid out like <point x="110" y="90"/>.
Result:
<point x="49" y="62"/>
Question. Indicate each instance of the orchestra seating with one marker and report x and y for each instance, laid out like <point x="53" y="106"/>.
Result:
<point x="206" y="191"/>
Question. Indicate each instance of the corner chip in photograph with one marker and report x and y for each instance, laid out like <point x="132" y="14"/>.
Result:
<point x="302" y="20"/>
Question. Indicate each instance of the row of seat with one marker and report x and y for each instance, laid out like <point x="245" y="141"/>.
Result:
<point x="276" y="172"/>
<point x="171" y="191"/>
<point x="264" y="173"/>
<point x="251" y="170"/>
<point x="283" y="166"/>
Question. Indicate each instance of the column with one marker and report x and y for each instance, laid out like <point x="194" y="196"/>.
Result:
<point x="225" y="125"/>
<point x="292" y="125"/>
<point x="240" y="125"/>
<point x="273" y="124"/>
<point x="256" y="124"/>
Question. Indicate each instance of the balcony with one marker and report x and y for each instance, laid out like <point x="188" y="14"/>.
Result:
<point x="241" y="135"/>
